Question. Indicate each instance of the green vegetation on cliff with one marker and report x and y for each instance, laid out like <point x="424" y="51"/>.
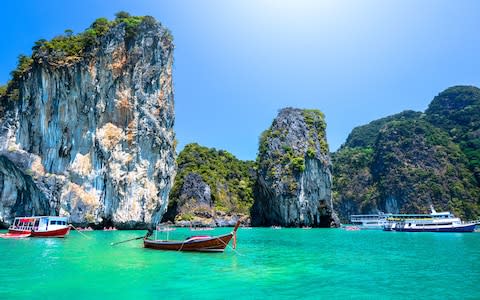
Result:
<point x="69" y="47"/>
<point x="410" y="160"/>
<point x="366" y="135"/>
<point x="283" y="150"/>
<point x="230" y="179"/>
<point x="417" y="165"/>
<point x="457" y="110"/>
<point x="316" y="125"/>
<point x="3" y="90"/>
<point x="353" y="186"/>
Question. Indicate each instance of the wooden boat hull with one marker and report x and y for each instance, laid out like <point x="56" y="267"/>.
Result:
<point x="206" y="244"/>
<point x="60" y="233"/>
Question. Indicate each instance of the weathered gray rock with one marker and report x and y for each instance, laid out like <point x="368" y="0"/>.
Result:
<point x="19" y="193"/>
<point x="195" y="199"/>
<point x="195" y="207"/>
<point x="294" y="176"/>
<point x="97" y="131"/>
<point x="195" y="190"/>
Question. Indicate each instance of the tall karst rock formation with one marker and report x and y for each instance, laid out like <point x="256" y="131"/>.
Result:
<point x="87" y="126"/>
<point x="294" y="181"/>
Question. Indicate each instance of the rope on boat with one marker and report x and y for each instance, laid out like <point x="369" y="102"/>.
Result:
<point x="227" y="245"/>
<point x="79" y="231"/>
<point x="183" y="243"/>
<point x="129" y="240"/>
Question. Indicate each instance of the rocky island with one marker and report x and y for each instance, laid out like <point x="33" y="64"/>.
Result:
<point x="294" y="180"/>
<point x="86" y="126"/>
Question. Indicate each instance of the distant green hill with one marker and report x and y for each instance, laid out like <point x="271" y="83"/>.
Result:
<point x="405" y="162"/>
<point x="457" y="110"/>
<point x="366" y="135"/>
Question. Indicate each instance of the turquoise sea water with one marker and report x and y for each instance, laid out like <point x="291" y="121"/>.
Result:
<point x="270" y="264"/>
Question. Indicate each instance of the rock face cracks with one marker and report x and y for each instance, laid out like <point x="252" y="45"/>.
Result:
<point x="294" y="173"/>
<point x="92" y="137"/>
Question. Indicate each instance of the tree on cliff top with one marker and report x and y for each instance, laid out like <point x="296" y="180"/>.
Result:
<point x="70" y="47"/>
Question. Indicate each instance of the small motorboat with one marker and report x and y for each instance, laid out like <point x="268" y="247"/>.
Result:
<point x="83" y="229"/>
<point x="165" y="229"/>
<point x="352" y="228"/>
<point x="201" y="228"/>
<point x="109" y="228"/>
<point x="9" y="235"/>
<point x="202" y="243"/>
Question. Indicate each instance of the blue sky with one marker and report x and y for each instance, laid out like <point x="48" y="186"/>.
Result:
<point x="238" y="62"/>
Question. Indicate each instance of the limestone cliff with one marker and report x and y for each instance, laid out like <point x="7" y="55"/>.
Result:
<point x="90" y="134"/>
<point x="294" y="173"/>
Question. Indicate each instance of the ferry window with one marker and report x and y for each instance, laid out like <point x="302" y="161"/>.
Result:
<point x="53" y="222"/>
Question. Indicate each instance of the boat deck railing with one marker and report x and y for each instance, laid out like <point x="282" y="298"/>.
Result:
<point x="23" y="228"/>
<point x="477" y="222"/>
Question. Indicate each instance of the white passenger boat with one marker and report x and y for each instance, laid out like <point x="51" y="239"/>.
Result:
<point x="372" y="221"/>
<point x="42" y="226"/>
<point x="433" y="222"/>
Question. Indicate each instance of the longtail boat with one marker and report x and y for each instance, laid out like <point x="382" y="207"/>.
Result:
<point x="203" y="243"/>
<point x="44" y="226"/>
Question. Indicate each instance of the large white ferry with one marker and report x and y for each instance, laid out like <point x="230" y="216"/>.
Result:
<point x="373" y="221"/>
<point x="433" y="222"/>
